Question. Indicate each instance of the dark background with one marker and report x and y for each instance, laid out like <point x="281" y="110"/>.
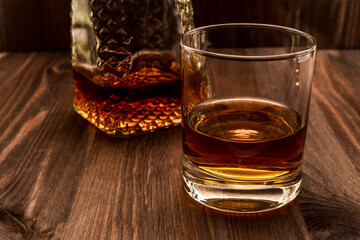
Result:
<point x="44" y="25"/>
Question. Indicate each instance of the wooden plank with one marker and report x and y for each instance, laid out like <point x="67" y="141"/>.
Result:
<point x="34" y="25"/>
<point x="334" y="23"/>
<point x="42" y="25"/>
<point x="330" y="199"/>
<point x="65" y="180"/>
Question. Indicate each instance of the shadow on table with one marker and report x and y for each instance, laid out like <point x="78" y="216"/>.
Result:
<point x="282" y="223"/>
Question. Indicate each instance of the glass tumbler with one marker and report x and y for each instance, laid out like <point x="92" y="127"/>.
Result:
<point x="245" y="101"/>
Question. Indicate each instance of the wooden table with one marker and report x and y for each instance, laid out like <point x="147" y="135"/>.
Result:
<point x="63" y="179"/>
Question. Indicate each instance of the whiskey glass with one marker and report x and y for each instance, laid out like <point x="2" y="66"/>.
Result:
<point x="245" y="101"/>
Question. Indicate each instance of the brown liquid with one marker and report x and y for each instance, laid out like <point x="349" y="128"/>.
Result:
<point x="244" y="139"/>
<point x="148" y="99"/>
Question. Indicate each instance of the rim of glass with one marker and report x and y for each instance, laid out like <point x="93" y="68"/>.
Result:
<point x="296" y="54"/>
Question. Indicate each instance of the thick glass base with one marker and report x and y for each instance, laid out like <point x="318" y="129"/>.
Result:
<point x="240" y="196"/>
<point x="125" y="112"/>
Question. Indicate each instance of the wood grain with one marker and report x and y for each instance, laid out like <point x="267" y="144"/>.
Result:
<point x="331" y="190"/>
<point x="63" y="179"/>
<point x="334" y="23"/>
<point x="44" y="25"/>
<point x="34" y="25"/>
